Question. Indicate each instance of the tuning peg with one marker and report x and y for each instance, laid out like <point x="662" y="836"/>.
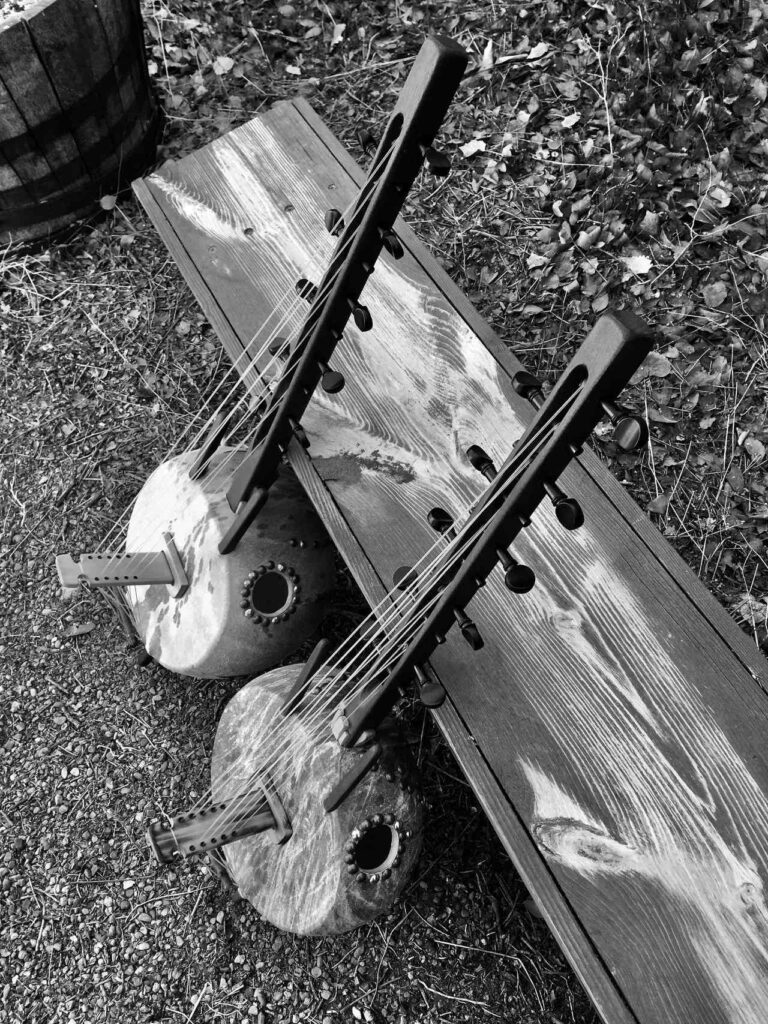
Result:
<point x="332" y="381"/>
<point x="276" y="348"/>
<point x="440" y="520"/>
<point x="305" y="289"/>
<point x="334" y="222"/>
<point x="431" y="693"/>
<point x="391" y="243"/>
<point x="630" y="432"/>
<point x="469" y="630"/>
<point x="518" y="578"/>
<point x="299" y="432"/>
<point x="529" y="387"/>
<point x="436" y="161"/>
<point x="367" y="140"/>
<point x="403" y="577"/>
<point x="361" y="315"/>
<point x="567" y="510"/>
<point x="481" y="461"/>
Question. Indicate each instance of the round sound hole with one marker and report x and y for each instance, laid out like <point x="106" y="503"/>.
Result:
<point x="271" y="593"/>
<point x="377" y="848"/>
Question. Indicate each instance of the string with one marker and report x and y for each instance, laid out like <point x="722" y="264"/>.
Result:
<point x="334" y="665"/>
<point x="354" y="213"/>
<point x="400" y="638"/>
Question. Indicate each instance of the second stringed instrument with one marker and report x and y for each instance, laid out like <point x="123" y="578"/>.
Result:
<point x="307" y="815"/>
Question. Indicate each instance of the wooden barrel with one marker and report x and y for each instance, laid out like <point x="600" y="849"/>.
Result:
<point x="77" y="116"/>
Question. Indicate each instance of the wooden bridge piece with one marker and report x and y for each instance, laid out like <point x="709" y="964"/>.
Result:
<point x="614" y="725"/>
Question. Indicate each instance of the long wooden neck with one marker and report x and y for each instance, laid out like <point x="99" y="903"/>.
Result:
<point x="609" y="356"/>
<point x="422" y="105"/>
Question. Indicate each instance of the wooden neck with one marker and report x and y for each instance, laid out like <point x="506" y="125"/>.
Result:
<point x="422" y="105"/>
<point x="609" y="356"/>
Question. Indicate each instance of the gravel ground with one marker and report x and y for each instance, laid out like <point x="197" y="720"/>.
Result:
<point x="652" y="197"/>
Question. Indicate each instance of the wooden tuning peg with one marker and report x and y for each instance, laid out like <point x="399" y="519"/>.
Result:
<point x="528" y="387"/>
<point x="431" y="693"/>
<point x="334" y="222"/>
<point x="367" y="140"/>
<point x="481" y="461"/>
<point x="517" y="578"/>
<point x="332" y="381"/>
<point x="392" y="244"/>
<point x="567" y="510"/>
<point x="469" y="630"/>
<point x="305" y="289"/>
<point x="437" y="162"/>
<point x="361" y="315"/>
<point x="403" y="577"/>
<point x="440" y="520"/>
<point x="299" y="433"/>
<point x="630" y="432"/>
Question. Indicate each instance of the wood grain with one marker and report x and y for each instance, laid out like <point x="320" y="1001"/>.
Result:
<point x="620" y="712"/>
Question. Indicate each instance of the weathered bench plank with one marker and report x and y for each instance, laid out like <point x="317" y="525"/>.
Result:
<point x="613" y="724"/>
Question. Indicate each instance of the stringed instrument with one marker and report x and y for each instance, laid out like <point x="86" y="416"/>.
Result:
<point x="308" y="814"/>
<point x="212" y="583"/>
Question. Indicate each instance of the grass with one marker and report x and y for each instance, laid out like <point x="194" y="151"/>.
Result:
<point x="105" y="356"/>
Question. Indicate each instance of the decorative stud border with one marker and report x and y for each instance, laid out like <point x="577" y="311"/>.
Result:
<point x="288" y="609"/>
<point x="362" y="875"/>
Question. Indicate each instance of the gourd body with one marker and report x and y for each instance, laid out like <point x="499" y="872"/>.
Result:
<point x="243" y="611"/>
<point x="338" y="870"/>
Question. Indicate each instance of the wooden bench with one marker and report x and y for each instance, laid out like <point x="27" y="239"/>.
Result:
<point x="613" y="726"/>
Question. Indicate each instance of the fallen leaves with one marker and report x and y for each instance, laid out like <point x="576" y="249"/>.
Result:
<point x="659" y="504"/>
<point x="654" y="365"/>
<point x="78" y="629"/>
<point x="715" y="294"/>
<point x="222" y="65"/>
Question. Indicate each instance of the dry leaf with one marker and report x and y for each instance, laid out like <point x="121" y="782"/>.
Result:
<point x="108" y="202"/>
<point x="338" y="33"/>
<point x="715" y="294"/>
<point x="222" y="65"/>
<point x="659" y="504"/>
<point x="538" y="51"/>
<point x="654" y="365"/>
<point x="637" y="263"/>
<point x="570" y="121"/>
<point x="735" y="478"/>
<point x="78" y="628"/>
<point x="471" y="147"/>
<point x="487" y="62"/>
<point x="660" y="416"/>
<point x="755" y="449"/>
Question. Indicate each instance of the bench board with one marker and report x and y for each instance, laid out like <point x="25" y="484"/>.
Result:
<point x="612" y="726"/>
